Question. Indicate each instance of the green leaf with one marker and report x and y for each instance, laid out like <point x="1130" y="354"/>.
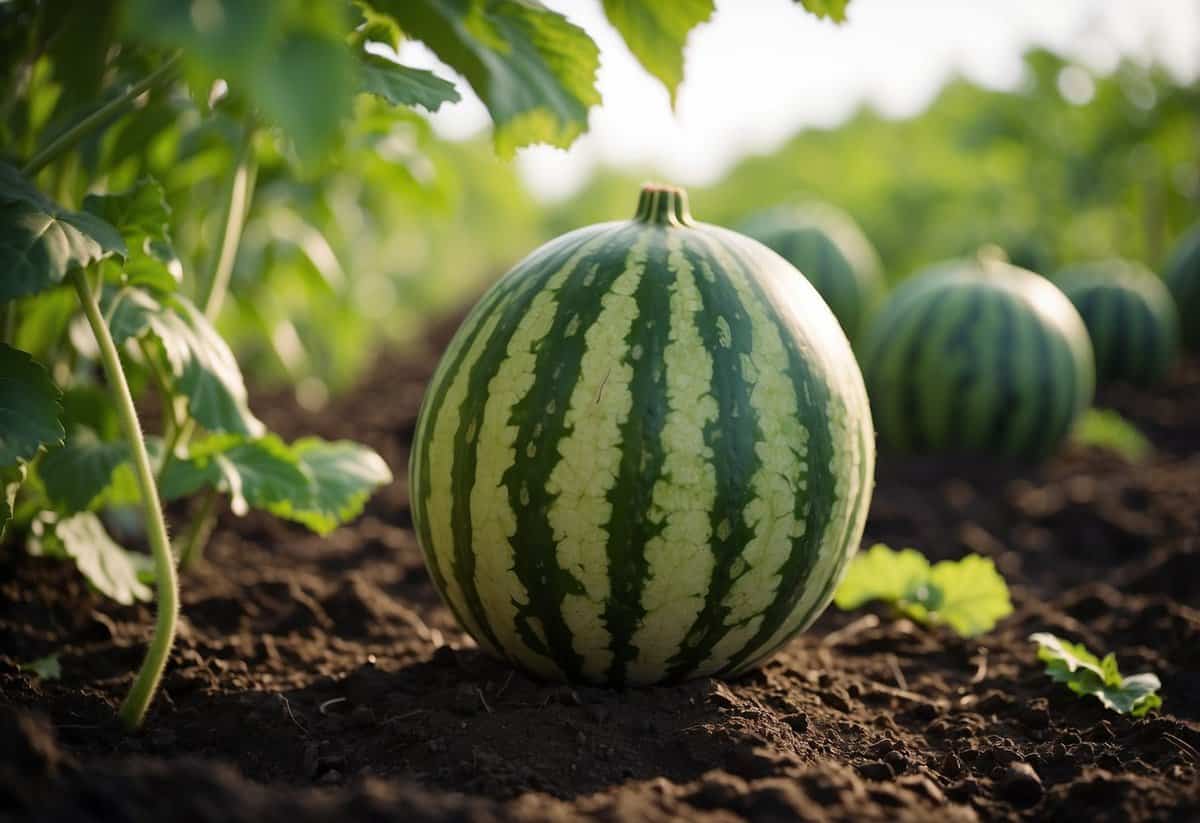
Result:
<point x="289" y="59"/>
<point x="882" y="574"/>
<point x="405" y="86"/>
<point x="112" y="570"/>
<point x="40" y="242"/>
<point x="1106" y="429"/>
<point x="29" y="407"/>
<point x="143" y="218"/>
<point x="657" y="32"/>
<point x="200" y="363"/>
<point x="1085" y="674"/>
<point x="46" y="668"/>
<point x="533" y="69"/>
<point x="835" y="10"/>
<point x="76" y="474"/>
<point x="968" y="595"/>
<point x="316" y="483"/>
<point x="11" y="478"/>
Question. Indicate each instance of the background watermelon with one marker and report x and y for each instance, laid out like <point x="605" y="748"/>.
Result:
<point x="829" y="249"/>
<point x="1183" y="278"/>
<point x="1130" y="317"/>
<point x="977" y="356"/>
<point x="646" y="455"/>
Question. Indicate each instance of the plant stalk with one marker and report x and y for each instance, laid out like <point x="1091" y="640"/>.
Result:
<point x="199" y="531"/>
<point x="133" y="709"/>
<point x="241" y="190"/>
<point x="63" y="142"/>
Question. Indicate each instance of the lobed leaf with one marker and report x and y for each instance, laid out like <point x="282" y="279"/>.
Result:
<point x="833" y="9"/>
<point x="111" y="569"/>
<point x="41" y="242"/>
<point x="143" y="218"/>
<point x="1085" y="674"/>
<point x="656" y="33"/>
<point x="968" y="595"/>
<point x="201" y="365"/>
<point x="29" y="408"/>
<point x="405" y="86"/>
<point x="534" y="71"/>
<point x="77" y="473"/>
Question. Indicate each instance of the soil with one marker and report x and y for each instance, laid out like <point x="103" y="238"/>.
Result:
<point x="316" y="678"/>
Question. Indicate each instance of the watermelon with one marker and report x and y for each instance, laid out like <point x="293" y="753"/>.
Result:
<point x="831" y="251"/>
<point x="1183" y="279"/>
<point x="1130" y="317"/>
<point x="646" y="455"/>
<point x="977" y="357"/>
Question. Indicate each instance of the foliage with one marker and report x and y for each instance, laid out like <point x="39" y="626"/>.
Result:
<point x="1086" y="674"/>
<point x="1106" y="429"/>
<point x="46" y="668"/>
<point x="968" y="595"/>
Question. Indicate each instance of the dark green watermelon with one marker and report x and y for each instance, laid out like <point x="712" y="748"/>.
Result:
<point x="1183" y="279"/>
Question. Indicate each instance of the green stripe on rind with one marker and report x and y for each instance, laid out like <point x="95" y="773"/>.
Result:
<point x="678" y="560"/>
<point x="831" y="494"/>
<point x="944" y="371"/>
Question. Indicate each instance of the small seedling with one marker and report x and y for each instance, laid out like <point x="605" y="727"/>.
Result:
<point x="968" y="595"/>
<point x="44" y="668"/>
<point x="1085" y="674"/>
<point x="1105" y="429"/>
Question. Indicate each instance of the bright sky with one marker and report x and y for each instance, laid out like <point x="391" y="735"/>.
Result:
<point x="760" y="70"/>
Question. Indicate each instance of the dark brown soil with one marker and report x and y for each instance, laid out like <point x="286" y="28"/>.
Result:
<point x="321" y="678"/>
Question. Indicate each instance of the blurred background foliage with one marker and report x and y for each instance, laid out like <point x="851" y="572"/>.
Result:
<point x="392" y="226"/>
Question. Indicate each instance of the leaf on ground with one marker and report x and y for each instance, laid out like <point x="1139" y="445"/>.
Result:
<point x="403" y="85"/>
<point x="656" y="33"/>
<point x="1106" y="429"/>
<point x="77" y="473"/>
<point x="111" y="569"/>
<point x="29" y="407"/>
<point x="143" y="218"/>
<point x="200" y="363"/>
<point x="968" y="595"/>
<point x="835" y="10"/>
<point x="534" y="71"/>
<point x="45" y="668"/>
<point x="1085" y="674"/>
<point x="41" y="242"/>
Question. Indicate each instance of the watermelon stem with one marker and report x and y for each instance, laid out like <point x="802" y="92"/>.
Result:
<point x="663" y="205"/>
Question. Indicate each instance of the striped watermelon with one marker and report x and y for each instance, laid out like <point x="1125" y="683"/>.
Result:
<point x="1130" y="317"/>
<point x="829" y="249"/>
<point x="1183" y="279"/>
<point x="646" y="455"/>
<point x="977" y="356"/>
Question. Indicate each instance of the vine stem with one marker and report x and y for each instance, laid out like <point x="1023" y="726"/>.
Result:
<point x="133" y="709"/>
<point x="200" y="530"/>
<point x="241" y="189"/>
<point x="64" y="141"/>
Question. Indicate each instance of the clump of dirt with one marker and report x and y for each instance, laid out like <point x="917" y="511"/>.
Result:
<point x="316" y="678"/>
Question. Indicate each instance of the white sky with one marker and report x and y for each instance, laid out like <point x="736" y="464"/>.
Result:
<point x="760" y="70"/>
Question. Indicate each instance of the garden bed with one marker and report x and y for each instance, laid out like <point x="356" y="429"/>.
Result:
<point x="317" y="677"/>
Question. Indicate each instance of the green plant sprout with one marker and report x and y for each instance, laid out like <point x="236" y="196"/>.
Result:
<point x="968" y="595"/>
<point x="1086" y="674"/>
<point x="1106" y="429"/>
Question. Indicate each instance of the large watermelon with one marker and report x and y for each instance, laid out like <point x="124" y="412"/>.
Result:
<point x="646" y="455"/>
<point x="977" y="356"/>
<point x="829" y="249"/>
<point x="1183" y="278"/>
<point x="1130" y="317"/>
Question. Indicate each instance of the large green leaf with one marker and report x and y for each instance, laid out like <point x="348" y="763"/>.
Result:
<point x="111" y="569"/>
<point x="40" y="242"/>
<point x="289" y="59"/>
<point x="657" y="32"/>
<point x="405" y="86"/>
<point x="833" y="9"/>
<point x="533" y="69"/>
<point x="143" y="218"/>
<point x="317" y="483"/>
<point x="78" y="472"/>
<point x="201" y="365"/>
<point x="29" y="407"/>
